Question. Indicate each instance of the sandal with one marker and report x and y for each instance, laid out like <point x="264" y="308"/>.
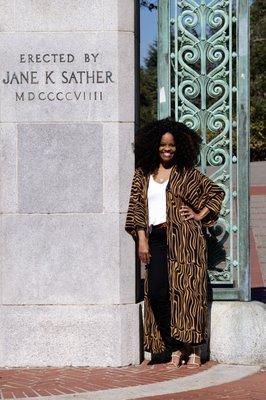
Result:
<point x="176" y="356"/>
<point x="180" y="357"/>
<point x="194" y="361"/>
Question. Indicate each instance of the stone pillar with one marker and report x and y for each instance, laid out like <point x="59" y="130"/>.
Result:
<point x="67" y="123"/>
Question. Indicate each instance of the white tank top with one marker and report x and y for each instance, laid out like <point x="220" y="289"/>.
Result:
<point x="156" y="202"/>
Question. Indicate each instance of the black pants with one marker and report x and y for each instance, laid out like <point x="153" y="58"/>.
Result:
<point x="158" y="285"/>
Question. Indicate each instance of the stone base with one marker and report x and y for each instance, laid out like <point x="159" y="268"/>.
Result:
<point x="237" y="333"/>
<point x="91" y="335"/>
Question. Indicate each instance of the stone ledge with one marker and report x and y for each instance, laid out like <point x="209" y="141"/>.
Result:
<point x="61" y="336"/>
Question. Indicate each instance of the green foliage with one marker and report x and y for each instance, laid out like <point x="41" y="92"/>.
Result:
<point x="148" y="87"/>
<point x="258" y="80"/>
<point x="148" y="4"/>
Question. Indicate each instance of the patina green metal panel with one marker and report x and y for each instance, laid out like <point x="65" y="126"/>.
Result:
<point x="208" y="90"/>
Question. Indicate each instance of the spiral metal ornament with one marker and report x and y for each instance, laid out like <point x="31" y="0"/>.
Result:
<point x="201" y="65"/>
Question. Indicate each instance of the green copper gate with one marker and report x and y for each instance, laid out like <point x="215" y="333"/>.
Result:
<point x="203" y="81"/>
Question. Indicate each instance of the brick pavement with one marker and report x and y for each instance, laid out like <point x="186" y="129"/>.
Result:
<point x="251" y="388"/>
<point x="258" y="223"/>
<point x="258" y="234"/>
<point x="34" y="382"/>
<point x="256" y="273"/>
<point x="25" y="383"/>
<point x="42" y="382"/>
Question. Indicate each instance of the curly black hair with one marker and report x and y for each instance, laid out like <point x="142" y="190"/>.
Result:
<point x="148" y="139"/>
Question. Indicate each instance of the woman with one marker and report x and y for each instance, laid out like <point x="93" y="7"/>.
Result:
<point x="170" y="202"/>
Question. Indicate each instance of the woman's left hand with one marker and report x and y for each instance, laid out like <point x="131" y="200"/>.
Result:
<point x="188" y="213"/>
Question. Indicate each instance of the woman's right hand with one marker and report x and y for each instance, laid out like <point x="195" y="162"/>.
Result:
<point x="144" y="251"/>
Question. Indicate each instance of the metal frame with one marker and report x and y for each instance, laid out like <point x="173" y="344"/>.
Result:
<point x="243" y="137"/>
<point x="163" y="64"/>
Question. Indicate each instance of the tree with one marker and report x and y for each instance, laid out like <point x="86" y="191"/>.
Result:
<point x="258" y="79"/>
<point x="148" y="4"/>
<point x="148" y="86"/>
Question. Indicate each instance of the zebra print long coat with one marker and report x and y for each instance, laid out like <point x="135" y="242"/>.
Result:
<point x="187" y="258"/>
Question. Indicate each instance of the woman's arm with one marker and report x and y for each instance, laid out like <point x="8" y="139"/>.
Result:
<point x="188" y="213"/>
<point x="135" y="219"/>
<point x="210" y="196"/>
<point x="204" y="203"/>
<point x="143" y="247"/>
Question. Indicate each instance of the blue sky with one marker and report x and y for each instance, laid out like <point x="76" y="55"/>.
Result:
<point x="148" y="30"/>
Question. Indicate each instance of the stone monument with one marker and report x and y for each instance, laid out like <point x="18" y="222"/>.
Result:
<point x="67" y="125"/>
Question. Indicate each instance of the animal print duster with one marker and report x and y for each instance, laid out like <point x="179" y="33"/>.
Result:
<point x="187" y="258"/>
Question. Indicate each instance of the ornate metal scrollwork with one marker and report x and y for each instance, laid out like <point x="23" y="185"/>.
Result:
<point x="202" y="64"/>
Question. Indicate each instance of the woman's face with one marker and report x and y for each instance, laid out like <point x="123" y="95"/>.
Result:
<point x="167" y="148"/>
